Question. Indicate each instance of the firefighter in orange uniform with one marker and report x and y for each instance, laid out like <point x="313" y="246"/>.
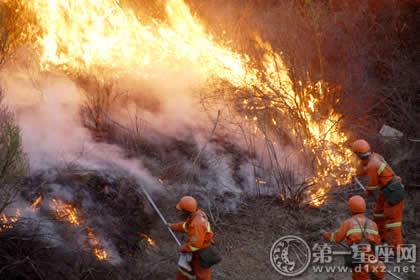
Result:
<point x="200" y="236"/>
<point x="388" y="211"/>
<point x="361" y="231"/>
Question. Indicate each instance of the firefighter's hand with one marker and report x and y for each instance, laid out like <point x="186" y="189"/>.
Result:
<point x="183" y="249"/>
<point x="326" y="235"/>
<point x="171" y="226"/>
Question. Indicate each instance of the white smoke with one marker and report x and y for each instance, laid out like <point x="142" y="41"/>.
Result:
<point x="47" y="107"/>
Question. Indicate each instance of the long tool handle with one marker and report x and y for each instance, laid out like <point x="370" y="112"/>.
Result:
<point x="149" y="198"/>
<point x="388" y="272"/>
<point x="360" y="184"/>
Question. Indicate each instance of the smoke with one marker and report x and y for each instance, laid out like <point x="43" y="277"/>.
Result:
<point x="48" y="111"/>
<point x="179" y="142"/>
<point x="47" y="106"/>
<point x="176" y="143"/>
<point x="154" y="76"/>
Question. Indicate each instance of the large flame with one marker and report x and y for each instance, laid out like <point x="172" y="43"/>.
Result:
<point x="84" y="36"/>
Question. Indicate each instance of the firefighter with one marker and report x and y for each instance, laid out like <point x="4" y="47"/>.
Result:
<point x="388" y="211"/>
<point x="362" y="233"/>
<point x="200" y="236"/>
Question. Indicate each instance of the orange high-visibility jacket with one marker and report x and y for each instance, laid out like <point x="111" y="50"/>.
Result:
<point x="197" y="226"/>
<point x="379" y="172"/>
<point x="352" y="230"/>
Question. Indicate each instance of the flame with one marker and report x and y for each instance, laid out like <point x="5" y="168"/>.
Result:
<point x="8" y="222"/>
<point x="83" y="36"/>
<point x="65" y="212"/>
<point x="36" y="202"/>
<point x="68" y="213"/>
<point x="97" y="250"/>
<point x="148" y="239"/>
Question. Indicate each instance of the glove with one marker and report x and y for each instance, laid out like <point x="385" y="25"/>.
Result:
<point x="172" y="226"/>
<point x="184" y="249"/>
<point x="184" y="261"/>
<point x="326" y="235"/>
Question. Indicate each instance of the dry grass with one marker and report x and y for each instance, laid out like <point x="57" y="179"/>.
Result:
<point x="367" y="49"/>
<point x="330" y="40"/>
<point x="244" y="237"/>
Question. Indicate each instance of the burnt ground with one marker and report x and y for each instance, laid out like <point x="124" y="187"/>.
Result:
<point x="34" y="249"/>
<point x="245" y="237"/>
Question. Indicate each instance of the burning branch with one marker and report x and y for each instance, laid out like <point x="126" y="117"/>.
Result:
<point x="65" y="212"/>
<point x="148" y="239"/>
<point x="7" y="223"/>
<point x="69" y="213"/>
<point x="36" y="202"/>
<point x="97" y="250"/>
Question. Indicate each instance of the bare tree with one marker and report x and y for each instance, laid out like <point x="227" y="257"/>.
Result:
<point x="99" y="99"/>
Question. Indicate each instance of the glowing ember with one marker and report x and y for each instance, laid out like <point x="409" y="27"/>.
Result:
<point x="65" y="212"/>
<point x="148" y="239"/>
<point x="83" y="36"/>
<point x="68" y="213"/>
<point x="7" y="222"/>
<point x="261" y="181"/>
<point x="97" y="250"/>
<point x="36" y="202"/>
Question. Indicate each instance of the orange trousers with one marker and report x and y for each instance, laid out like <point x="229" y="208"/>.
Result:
<point x="201" y="273"/>
<point x="389" y="220"/>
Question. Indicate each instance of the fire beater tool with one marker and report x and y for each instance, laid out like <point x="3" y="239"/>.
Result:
<point x="359" y="184"/>
<point x="184" y="258"/>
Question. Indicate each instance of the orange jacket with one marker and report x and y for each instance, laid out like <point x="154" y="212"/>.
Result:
<point x="351" y="230"/>
<point x="197" y="226"/>
<point x="378" y="170"/>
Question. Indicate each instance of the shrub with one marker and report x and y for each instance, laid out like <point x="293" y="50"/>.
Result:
<point x="13" y="165"/>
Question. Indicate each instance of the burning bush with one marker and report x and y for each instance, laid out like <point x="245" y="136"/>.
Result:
<point x="282" y="127"/>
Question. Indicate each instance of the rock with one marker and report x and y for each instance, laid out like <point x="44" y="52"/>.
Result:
<point x="390" y="132"/>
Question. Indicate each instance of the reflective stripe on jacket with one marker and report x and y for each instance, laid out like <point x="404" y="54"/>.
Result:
<point x="353" y="228"/>
<point x="393" y="225"/>
<point x="200" y="234"/>
<point x="378" y="171"/>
